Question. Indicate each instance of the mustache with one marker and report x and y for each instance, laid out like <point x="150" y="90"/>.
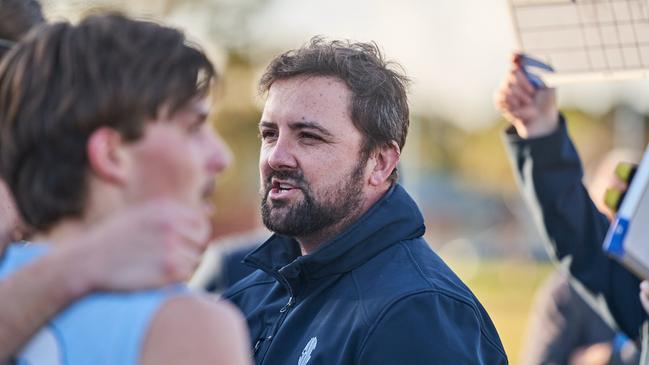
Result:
<point x="295" y="178"/>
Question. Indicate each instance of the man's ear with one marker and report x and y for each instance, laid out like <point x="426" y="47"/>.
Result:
<point x="386" y="157"/>
<point x="106" y="155"/>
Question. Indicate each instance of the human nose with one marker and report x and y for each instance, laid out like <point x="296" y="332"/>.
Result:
<point x="280" y="155"/>
<point x="220" y="155"/>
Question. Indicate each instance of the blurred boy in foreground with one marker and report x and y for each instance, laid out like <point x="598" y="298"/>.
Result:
<point x="86" y="124"/>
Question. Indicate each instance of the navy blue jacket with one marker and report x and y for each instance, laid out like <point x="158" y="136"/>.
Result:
<point x="376" y="294"/>
<point x="550" y="176"/>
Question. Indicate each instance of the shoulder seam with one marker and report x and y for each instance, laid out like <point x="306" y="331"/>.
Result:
<point x="445" y="294"/>
<point x="450" y="295"/>
<point x="434" y="287"/>
<point x="358" y="294"/>
<point x="414" y="262"/>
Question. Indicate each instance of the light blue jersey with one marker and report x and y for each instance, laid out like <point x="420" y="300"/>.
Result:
<point x="100" y="329"/>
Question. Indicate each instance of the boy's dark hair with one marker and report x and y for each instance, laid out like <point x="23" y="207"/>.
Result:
<point x="60" y="84"/>
<point x="379" y="102"/>
<point x="5" y="46"/>
<point x="17" y="17"/>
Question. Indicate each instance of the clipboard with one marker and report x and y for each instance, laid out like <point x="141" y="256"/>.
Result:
<point x="627" y="239"/>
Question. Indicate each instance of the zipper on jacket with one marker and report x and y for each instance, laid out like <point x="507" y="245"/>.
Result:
<point x="259" y="342"/>
<point x="257" y="345"/>
<point x="287" y="306"/>
<point x="283" y="314"/>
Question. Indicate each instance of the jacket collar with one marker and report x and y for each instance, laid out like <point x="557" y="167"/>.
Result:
<point x="395" y="217"/>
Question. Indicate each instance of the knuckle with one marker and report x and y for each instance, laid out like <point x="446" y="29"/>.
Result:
<point x="166" y="227"/>
<point x="169" y="245"/>
<point x="170" y="269"/>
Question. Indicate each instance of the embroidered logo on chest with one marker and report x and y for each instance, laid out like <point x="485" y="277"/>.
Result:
<point x="308" y="349"/>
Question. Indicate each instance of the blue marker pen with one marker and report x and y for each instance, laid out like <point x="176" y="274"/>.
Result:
<point x="528" y="64"/>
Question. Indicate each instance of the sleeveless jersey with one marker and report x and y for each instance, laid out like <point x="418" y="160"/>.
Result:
<point x="99" y="329"/>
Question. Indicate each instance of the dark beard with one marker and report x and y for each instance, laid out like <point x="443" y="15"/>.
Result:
<point x="309" y="215"/>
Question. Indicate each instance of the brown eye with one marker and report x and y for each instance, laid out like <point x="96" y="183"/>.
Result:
<point x="310" y="136"/>
<point x="267" y="134"/>
<point x="195" y="128"/>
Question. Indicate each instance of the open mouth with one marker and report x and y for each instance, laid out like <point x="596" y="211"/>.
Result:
<point x="282" y="189"/>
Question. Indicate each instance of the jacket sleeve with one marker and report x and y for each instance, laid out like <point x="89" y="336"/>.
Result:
<point x="550" y="177"/>
<point x="431" y="328"/>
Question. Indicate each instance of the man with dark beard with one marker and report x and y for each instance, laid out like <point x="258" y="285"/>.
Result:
<point x="347" y="277"/>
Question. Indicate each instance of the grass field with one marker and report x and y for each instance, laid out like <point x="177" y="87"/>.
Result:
<point x="506" y="289"/>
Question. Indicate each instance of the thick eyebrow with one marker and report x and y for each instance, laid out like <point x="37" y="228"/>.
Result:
<point x="305" y="124"/>
<point x="267" y="125"/>
<point x="300" y="125"/>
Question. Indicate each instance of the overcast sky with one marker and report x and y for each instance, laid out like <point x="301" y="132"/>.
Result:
<point x="455" y="51"/>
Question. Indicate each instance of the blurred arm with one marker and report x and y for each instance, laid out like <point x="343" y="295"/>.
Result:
<point x="147" y="246"/>
<point x="550" y="177"/>
<point x="196" y="331"/>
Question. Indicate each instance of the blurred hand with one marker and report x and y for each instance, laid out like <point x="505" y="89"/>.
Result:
<point x="144" y="247"/>
<point x="532" y="112"/>
<point x="9" y="221"/>
<point x="597" y="354"/>
<point x="617" y="187"/>
<point x="644" y="295"/>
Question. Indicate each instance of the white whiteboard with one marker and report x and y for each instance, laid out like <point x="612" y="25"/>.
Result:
<point x="585" y="40"/>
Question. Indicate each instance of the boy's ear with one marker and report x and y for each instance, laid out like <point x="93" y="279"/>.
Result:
<point x="106" y="155"/>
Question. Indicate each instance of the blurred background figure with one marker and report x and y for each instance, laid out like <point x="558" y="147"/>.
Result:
<point x="563" y="328"/>
<point x="99" y="163"/>
<point x="222" y="263"/>
<point x="550" y="174"/>
<point x="17" y="17"/>
<point x="122" y="254"/>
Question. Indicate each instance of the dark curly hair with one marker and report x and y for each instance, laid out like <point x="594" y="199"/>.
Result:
<point x="379" y="102"/>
